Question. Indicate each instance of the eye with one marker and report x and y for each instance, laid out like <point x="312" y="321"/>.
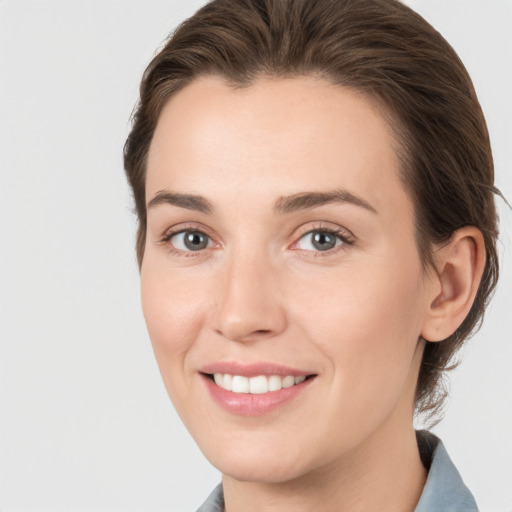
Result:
<point x="320" y="240"/>
<point x="190" y="241"/>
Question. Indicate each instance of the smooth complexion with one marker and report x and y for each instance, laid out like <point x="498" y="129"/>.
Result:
<point x="281" y="239"/>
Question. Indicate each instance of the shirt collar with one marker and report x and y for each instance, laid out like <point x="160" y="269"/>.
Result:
<point x="214" y="502"/>
<point x="444" y="489"/>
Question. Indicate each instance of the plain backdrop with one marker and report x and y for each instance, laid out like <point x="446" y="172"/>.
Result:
<point x="85" y="423"/>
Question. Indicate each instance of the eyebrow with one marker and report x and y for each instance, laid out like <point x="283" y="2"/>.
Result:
<point x="285" y="204"/>
<point x="309" y="200"/>
<point x="188" y="201"/>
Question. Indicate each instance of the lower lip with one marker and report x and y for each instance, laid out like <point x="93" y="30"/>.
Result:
<point x="248" y="404"/>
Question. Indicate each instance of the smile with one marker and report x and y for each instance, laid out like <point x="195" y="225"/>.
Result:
<point x="253" y="389"/>
<point x="255" y="385"/>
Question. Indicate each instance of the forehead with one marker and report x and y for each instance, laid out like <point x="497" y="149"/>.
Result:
<point x="289" y="134"/>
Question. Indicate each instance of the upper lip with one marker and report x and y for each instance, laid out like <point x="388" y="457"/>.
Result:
<point x="253" y="369"/>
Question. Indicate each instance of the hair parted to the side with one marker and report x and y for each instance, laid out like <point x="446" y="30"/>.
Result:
<point x="383" y="49"/>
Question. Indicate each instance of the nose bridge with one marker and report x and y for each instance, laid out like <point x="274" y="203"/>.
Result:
<point x="249" y="305"/>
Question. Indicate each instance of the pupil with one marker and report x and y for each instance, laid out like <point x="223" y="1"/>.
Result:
<point x="324" y="241"/>
<point x="195" y="240"/>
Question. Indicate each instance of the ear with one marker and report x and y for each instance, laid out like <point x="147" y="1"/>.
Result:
<point x="459" y="267"/>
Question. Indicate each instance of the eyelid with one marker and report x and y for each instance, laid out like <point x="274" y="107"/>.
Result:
<point x="342" y="233"/>
<point x="325" y="226"/>
<point x="169" y="233"/>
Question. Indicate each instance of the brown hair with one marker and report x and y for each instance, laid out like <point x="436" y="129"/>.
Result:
<point x="383" y="49"/>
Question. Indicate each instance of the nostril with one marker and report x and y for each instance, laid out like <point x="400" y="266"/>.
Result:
<point x="243" y="334"/>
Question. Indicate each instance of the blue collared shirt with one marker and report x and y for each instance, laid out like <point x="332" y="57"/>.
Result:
<point x="444" y="490"/>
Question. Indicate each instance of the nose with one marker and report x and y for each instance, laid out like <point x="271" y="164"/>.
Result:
<point x="250" y="306"/>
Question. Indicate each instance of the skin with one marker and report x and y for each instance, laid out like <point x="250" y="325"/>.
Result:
<point x="260" y="291"/>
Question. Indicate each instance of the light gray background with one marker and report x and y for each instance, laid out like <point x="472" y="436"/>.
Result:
<point x="85" y="424"/>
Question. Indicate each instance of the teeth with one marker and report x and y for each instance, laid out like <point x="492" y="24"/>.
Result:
<point x="288" y="382"/>
<point x="274" y="383"/>
<point x="219" y="379"/>
<point x="258" y="385"/>
<point x="240" y="384"/>
<point x="228" y="382"/>
<point x="255" y="385"/>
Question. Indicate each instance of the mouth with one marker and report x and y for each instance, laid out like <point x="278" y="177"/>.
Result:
<point x="252" y="389"/>
<point x="257" y="385"/>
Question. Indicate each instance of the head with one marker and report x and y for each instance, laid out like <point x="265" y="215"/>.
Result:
<point x="380" y="53"/>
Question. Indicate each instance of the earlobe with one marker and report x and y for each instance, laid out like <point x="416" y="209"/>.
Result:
<point x="460" y="264"/>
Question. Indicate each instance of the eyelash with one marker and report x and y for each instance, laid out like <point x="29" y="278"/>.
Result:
<point x="168" y="235"/>
<point x="344" y="236"/>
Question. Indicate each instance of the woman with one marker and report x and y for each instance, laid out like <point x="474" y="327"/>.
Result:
<point x="317" y="230"/>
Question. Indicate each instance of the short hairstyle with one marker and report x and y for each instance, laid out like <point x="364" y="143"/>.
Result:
<point x="380" y="48"/>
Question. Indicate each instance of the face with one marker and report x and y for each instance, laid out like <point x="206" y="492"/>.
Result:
<point x="281" y="283"/>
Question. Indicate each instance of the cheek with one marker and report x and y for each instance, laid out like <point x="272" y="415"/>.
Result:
<point x="171" y="307"/>
<point x="366" y="322"/>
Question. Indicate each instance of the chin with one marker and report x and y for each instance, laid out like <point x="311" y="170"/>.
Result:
<point x="257" y="462"/>
<point x="269" y="472"/>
